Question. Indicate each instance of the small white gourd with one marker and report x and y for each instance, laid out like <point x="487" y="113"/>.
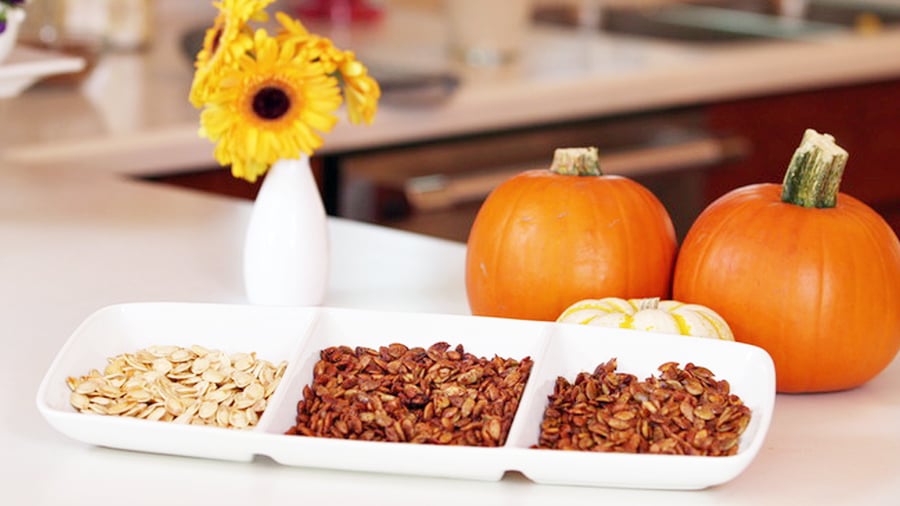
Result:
<point x="651" y="314"/>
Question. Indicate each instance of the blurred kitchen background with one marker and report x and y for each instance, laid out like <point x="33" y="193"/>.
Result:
<point x="691" y="98"/>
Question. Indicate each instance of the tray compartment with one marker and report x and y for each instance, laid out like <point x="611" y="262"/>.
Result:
<point x="575" y="348"/>
<point x="483" y="337"/>
<point x="275" y="334"/>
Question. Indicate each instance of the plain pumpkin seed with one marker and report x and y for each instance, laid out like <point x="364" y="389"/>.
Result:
<point x="192" y="385"/>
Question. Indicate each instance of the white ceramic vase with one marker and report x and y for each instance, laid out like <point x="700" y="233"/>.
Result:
<point x="286" y="251"/>
<point x="14" y="18"/>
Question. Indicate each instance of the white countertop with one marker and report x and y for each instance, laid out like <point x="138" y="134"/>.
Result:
<point x="132" y="113"/>
<point x="73" y="243"/>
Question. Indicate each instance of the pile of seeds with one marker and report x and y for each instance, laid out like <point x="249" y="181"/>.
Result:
<point x="395" y="393"/>
<point x="183" y="385"/>
<point x="681" y="411"/>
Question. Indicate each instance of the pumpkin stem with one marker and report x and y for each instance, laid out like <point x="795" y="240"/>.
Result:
<point x="576" y="162"/>
<point x="814" y="176"/>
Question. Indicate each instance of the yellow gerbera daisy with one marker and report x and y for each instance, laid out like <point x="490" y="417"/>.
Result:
<point x="223" y="42"/>
<point x="309" y="45"/>
<point x="291" y="27"/>
<point x="268" y="106"/>
<point x="266" y="98"/>
<point x="360" y="90"/>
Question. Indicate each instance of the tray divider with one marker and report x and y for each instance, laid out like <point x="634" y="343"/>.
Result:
<point x="299" y="350"/>
<point x="514" y="450"/>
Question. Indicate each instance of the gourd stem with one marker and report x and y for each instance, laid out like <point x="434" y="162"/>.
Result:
<point x="576" y="162"/>
<point x="648" y="303"/>
<point x="813" y="178"/>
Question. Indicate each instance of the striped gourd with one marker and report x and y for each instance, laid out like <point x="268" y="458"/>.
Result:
<point x="652" y="314"/>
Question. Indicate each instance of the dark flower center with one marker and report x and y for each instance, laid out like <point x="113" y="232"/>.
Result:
<point x="271" y="103"/>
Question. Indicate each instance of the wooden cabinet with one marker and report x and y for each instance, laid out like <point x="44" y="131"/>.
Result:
<point x="721" y="146"/>
<point x="437" y="187"/>
<point x="864" y="119"/>
<point x="759" y="137"/>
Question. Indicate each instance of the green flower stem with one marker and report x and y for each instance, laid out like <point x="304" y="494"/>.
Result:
<point x="813" y="178"/>
<point x="576" y="162"/>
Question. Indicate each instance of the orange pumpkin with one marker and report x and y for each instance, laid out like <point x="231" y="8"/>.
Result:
<point x="807" y="273"/>
<point x="545" y="239"/>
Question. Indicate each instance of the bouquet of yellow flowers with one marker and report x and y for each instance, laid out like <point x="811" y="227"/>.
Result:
<point x="266" y="97"/>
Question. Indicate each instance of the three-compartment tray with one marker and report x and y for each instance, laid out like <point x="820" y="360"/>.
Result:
<point x="297" y="334"/>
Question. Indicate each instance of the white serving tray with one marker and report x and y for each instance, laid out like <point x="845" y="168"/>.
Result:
<point x="298" y="334"/>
